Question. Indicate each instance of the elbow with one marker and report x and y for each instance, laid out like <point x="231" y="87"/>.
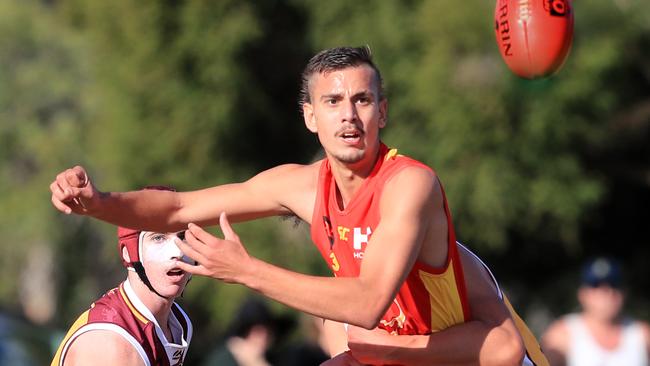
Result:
<point x="369" y="321"/>
<point x="511" y="352"/>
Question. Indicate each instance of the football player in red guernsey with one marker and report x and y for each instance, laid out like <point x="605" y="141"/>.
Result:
<point x="380" y="220"/>
<point x="137" y="323"/>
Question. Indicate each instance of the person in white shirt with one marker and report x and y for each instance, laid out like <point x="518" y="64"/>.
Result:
<point x="599" y="335"/>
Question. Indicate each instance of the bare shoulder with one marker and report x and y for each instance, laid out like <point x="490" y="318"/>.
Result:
<point x="297" y="173"/>
<point x="645" y="330"/>
<point x="102" y="347"/>
<point x="295" y="185"/>
<point x="412" y="201"/>
<point x="556" y="335"/>
<point x="412" y="181"/>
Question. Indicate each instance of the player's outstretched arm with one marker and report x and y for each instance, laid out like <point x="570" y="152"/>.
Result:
<point x="358" y="300"/>
<point x="272" y="192"/>
<point x="102" y="348"/>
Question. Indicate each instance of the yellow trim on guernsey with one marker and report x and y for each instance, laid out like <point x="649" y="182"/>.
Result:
<point x="133" y="309"/>
<point x="530" y="342"/>
<point x="391" y="154"/>
<point x="80" y="322"/>
<point x="446" y="306"/>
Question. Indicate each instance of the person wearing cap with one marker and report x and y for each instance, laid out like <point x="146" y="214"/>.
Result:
<point x="599" y="335"/>
<point x="138" y="322"/>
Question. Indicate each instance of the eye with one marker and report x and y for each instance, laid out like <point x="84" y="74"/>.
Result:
<point x="363" y="100"/>
<point x="331" y="101"/>
<point x="181" y="235"/>
<point x="158" y="238"/>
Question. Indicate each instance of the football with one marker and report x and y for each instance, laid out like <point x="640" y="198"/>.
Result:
<point x="534" y="36"/>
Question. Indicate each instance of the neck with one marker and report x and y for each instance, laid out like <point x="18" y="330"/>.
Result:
<point x="601" y="322"/>
<point x="159" y="307"/>
<point x="350" y="177"/>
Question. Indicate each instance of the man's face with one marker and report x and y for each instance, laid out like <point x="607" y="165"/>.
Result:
<point x="346" y="112"/>
<point x="603" y="301"/>
<point x="160" y="256"/>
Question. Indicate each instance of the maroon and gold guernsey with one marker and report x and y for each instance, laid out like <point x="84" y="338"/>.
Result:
<point x="430" y="299"/>
<point x="122" y="312"/>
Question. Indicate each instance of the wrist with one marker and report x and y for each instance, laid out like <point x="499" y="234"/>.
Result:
<point x="94" y="206"/>
<point x="249" y="274"/>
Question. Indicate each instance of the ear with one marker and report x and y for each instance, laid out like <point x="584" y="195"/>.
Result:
<point x="125" y="255"/>
<point x="308" y="116"/>
<point x="383" y="113"/>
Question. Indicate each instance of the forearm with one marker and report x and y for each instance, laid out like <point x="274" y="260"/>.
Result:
<point x="151" y="210"/>
<point x="343" y="299"/>
<point x="165" y="211"/>
<point x="471" y="343"/>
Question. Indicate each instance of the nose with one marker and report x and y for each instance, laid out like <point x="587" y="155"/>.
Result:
<point x="349" y="111"/>
<point x="173" y="251"/>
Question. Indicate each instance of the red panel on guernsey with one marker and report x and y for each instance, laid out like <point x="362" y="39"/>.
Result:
<point x="342" y="236"/>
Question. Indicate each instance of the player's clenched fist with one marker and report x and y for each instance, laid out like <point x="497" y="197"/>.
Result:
<point x="72" y="191"/>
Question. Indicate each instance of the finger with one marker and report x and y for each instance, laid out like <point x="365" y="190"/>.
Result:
<point x="61" y="206"/>
<point x="57" y="192"/>
<point x="188" y="248"/>
<point x="201" y="235"/>
<point x="81" y="173"/>
<point x="80" y="192"/>
<point x="192" y="269"/>
<point x="76" y="177"/>
<point x="228" y="232"/>
<point x="62" y="182"/>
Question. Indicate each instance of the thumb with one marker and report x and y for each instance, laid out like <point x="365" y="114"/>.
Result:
<point x="228" y="232"/>
<point x="77" y="177"/>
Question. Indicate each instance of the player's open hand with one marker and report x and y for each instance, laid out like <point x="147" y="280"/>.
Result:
<point x="223" y="259"/>
<point x="72" y="191"/>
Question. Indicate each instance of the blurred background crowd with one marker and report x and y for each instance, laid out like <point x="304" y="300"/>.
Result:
<point x="540" y="175"/>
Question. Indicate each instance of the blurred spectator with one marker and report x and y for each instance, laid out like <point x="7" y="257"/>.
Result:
<point x="310" y="350"/>
<point x="599" y="335"/>
<point x="12" y="351"/>
<point x="250" y="336"/>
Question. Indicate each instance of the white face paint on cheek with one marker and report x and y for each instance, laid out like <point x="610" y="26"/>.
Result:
<point x="163" y="252"/>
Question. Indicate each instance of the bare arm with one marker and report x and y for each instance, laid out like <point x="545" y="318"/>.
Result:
<point x="555" y="342"/>
<point x="336" y="337"/>
<point x="102" y="348"/>
<point x="645" y="329"/>
<point x="491" y="338"/>
<point x="400" y="233"/>
<point x="277" y="191"/>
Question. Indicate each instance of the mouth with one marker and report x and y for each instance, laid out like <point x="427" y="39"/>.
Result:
<point x="175" y="273"/>
<point x="351" y="136"/>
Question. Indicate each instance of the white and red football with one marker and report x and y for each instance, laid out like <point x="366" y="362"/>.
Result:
<point x="534" y="36"/>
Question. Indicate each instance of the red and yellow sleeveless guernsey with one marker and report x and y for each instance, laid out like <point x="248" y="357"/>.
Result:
<point x="121" y="311"/>
<point x="430" y="299"/>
